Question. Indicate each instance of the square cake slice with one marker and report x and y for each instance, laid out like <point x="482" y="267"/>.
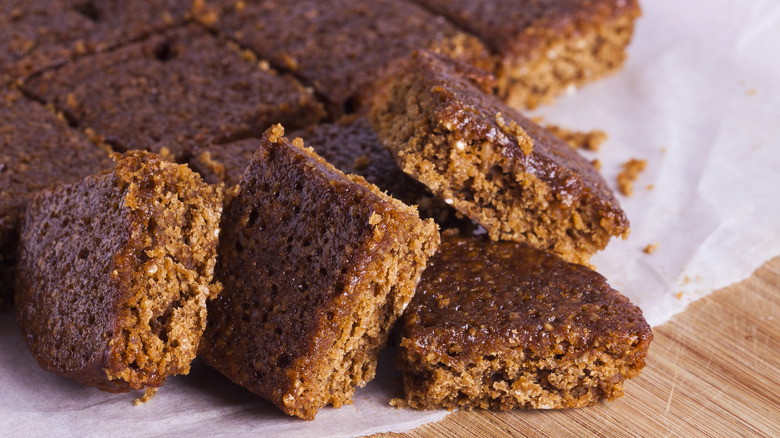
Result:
<point x="173" y="91"/>
<point x="492" y="164"/>
<point x="546" y="47"/>
<point x="37" y="150"/>
<point x="40" y="34"/>
<point x="500" y="325"/>
<point x="344" y="48"/>
<point x="115" y="270"/>
<point x="316" y="267"/>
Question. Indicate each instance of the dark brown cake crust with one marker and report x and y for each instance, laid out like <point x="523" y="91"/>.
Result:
<point x="344" y="48"/>
<point x="316" y="267"/>
<point x="114" y="272"/>
<point x="37" y="151"/>
<point x="493" y="165"/>
<point x="546" y="46"/>
<point x="173" y="91"/>
<point x="501" y="325"/>
<point x="35" y="35"/>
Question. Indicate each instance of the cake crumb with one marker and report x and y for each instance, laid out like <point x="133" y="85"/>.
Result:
<point x="752" y="92"/>
<point x="631" y="170"/>
<point x="679" y="295"/>
<point x="148" y="394"/>
<point x="649" y="249"/>
<point x="650" y="187"/>
<point x="588" y="140"/>
<point x="596" y="164"/>
<point x="362" y="162"/>
<point x="525" y="142"/>
<point x="399" y="403"/>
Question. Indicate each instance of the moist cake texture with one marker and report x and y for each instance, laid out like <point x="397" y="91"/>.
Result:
<point x="344" y="48"/>
<point x="115" y="270"/>
<point x="500" y="325"/>
<point x="316" y="267"/>
<point x="37" y="151"/>
<point x="173" y="91"/>
<point x="546" y="47"/>
<point x="35" y="35"/>
<point x="493" y="165"/>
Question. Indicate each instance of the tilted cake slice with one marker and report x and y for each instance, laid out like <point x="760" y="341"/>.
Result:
<point x="114" y="273"/>
<point x="316" y="267"/>
<point x="492" y="164"/>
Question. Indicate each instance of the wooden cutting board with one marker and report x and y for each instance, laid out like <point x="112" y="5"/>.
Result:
<point x="713" y="371"/>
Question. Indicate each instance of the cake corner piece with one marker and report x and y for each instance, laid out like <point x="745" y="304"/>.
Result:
<point x="115" y="271"/>
<point x="492" y="164"/>
<point x="316" y="267"/>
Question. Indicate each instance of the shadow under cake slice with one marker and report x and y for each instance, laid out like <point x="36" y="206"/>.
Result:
<point x="316" y="267"/>
<point x="500" y="325"/>
<point x="114" y="273"/>
<point x="492" y="164"/>
<point x="37" y="151"/>
<point x="350" y="144"/>
<point x="546" y="47"/>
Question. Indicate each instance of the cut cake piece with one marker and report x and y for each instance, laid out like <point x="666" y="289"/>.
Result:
<point x="546" y="47"/>
<point x="500" y="325"/>
<point x="493" y="165"/>
<point x="114" y="273"/>
<point x="316" y="267"/>
<point x="37" y="150"/>
<point x="35" y="35"/>
<point x="174" y="91"/>
<point x="344" y="48"/>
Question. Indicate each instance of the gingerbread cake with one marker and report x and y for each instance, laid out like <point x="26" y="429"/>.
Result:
<point x="115" y="270"/>
<point x="492" y="164"/>
<point x="35" y="35"/>
<point x="546" y="47"/>
<point x="316" y="267"/>
<point x="344" y="48"/>
<point x="37" y="150"/>
<point x="173" y="91"/>
<point x="501" y="325"/>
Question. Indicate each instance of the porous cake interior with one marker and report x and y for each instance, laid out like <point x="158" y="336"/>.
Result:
<point x="564" y="61"/>
<point x="464" y="166"/>
<point x="316" y="268"/>
<point x="169" y="262"/>
<point x="520" y="379"/>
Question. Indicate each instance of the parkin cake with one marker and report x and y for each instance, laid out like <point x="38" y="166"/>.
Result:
<point x="316" y="267"/>
<point x="115" y="270"/>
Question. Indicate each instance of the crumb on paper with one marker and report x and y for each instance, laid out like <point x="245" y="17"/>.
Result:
<point x="649" y="249"/>
<point x="362" y="162"/>
<point x="588" y="140"/>
<point x="650" y="187"/>
<point x="679" y="295"/>
<point x="631" y="170"/>
<point x="752" y="92"/>
<point x="399" y="403"/>
<point x="148" y="394"/>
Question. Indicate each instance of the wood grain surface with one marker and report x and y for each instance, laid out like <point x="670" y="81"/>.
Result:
<point x="713" y="370"/>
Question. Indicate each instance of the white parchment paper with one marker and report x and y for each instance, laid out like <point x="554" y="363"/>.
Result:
<point x="698" y="99"/>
